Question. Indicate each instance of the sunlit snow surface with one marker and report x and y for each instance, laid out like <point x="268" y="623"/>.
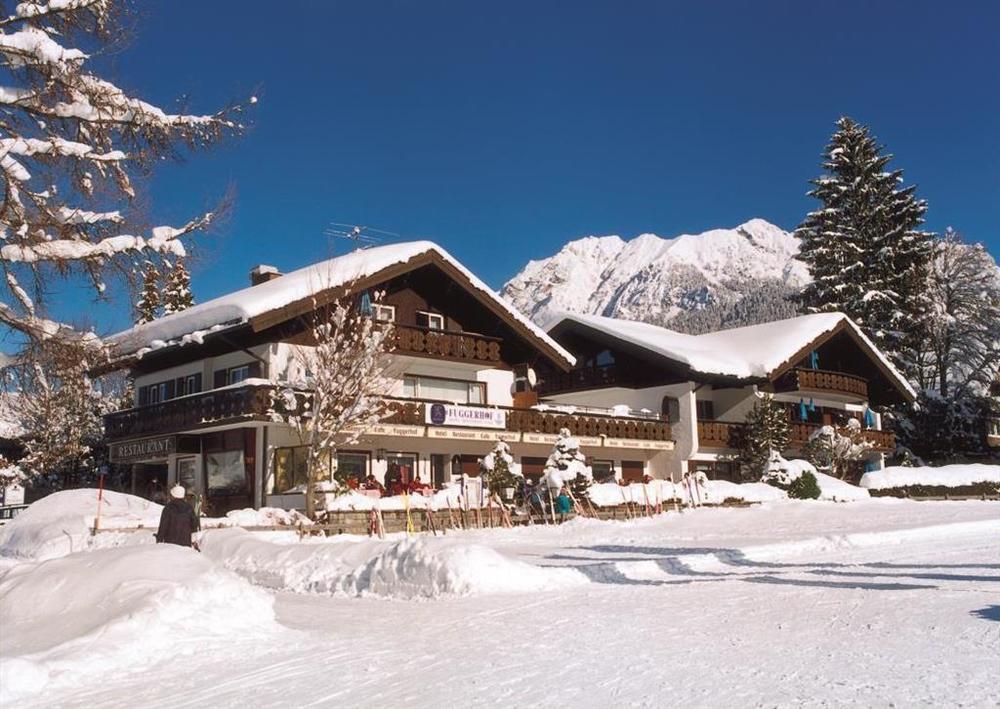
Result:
<point x="869" y="603"/>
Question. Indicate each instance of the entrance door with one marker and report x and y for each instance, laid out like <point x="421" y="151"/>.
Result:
<point x="437" y="470"/>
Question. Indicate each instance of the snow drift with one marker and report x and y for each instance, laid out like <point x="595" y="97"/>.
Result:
<point x="61" y="524"/>
<point x="411" y="568"/>
<point x="114" y="608"/>
<point x="945" y="476"/>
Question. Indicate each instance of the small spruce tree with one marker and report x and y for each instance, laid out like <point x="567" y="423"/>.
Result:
<point x="495" y="469"/>
<point x="766" y="432"/>
<point x="566" y="465"/>
<point x="147" y="309"/>
<point x="177" y="294"/>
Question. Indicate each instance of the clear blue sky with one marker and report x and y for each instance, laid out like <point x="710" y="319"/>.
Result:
<point x="502" y="130"/>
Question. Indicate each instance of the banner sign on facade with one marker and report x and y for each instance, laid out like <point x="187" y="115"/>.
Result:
<point x="460" y="434"/>
<point x="470" y="416"/>
<point x="143" y="449"/>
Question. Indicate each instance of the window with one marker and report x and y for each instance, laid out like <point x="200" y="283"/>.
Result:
<point x="225" y="473"/>
<point x="604" y="470"/>
<point x="432" y="321"/>
<point x="385" y="313"/>
<point x="291" y="469"/>
<point x="671" y="409"/>
<point x="238" y="374"/>
<point x="632" y="471"/>
<point x="455" y="391"/>
<point x="532" y="468"/>
<point x="153" y="394"/>
<point x="352" y="465"/>
<point x="706" y="410"/>
<point x="192" y="384"/>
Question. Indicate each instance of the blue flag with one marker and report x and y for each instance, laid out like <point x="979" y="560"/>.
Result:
<point x="802" y="410"/>
<point x="366" y="304"/>
<point x="814" y="359"/>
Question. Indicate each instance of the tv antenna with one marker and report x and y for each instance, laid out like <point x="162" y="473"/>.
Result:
<point x="363" y="236"/>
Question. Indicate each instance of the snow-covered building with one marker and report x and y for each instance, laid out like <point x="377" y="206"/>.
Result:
<point x="821" y="367"/>
<point x="464" y="363"/>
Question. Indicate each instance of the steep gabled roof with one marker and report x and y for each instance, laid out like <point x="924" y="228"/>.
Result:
<point x="752" y="353"/>
<point x="300" y="291"/>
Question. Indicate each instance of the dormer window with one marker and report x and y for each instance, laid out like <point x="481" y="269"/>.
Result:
<point x="384" y="313"/>
<point x="432" y="321"/>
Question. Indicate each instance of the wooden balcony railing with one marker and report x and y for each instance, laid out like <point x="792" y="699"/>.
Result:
<point x="720" y="434"/>
<point x="428" y="342"/>
<point x="530" y="421"/>
<point x="252" y="402"/>
<point x="249" y="402"/>
<point x="579" y="379"/>
<point x="821" y="380"/>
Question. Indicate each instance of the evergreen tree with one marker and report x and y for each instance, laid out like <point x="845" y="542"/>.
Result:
<point x="766" y="433"/>
<point x="566" y="465"/>
<point x="495" y="469"/>
<point x="177" y="291"/>
<point x="863" y="247"/>
<point x="147" y="309"/>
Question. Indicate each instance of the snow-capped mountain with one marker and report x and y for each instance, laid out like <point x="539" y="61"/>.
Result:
<point x="692" y="282"/>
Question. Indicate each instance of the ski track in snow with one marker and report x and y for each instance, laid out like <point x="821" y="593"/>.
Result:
<point x="791" y="604"/>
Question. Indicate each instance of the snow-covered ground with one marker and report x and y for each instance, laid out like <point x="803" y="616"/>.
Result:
<point x="870" y="603"/>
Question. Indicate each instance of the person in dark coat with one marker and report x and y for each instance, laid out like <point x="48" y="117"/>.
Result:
<point x="177" y="521"/>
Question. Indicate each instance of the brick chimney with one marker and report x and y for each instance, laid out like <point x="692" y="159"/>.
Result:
<point x="263" y="273"/>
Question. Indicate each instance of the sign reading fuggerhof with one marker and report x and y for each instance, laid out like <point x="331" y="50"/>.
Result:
<point x="143" y="449"/>
<point x="469" y="416"/>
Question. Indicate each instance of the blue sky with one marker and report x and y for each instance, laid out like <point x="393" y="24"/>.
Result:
<point x="502" y="130"/>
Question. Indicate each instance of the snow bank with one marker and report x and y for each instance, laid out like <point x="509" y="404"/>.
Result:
<point x="439" y="500"/>
<point x="61" y="524"/>
<point x="946" y="476"/>
<point x="714" y="492"/>
<point x="837" y="490"/>
<point x="114" y="608"/>
<point x="721" y="490"/>
<point x="264" y="517"/>
<point x="412" y="568"/>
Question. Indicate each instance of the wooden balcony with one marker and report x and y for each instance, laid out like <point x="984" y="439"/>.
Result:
<point x="823" y="381"/>
<point x="252" y="402"/>
<point x="411" y="413"/>
<point x="579" y="379"/>
<point x="720" y="434"/>
<point x="442" y="344"/>
<point x="231" y="404"/>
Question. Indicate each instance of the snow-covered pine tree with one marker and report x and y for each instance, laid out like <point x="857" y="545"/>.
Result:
<point x="495" y="467"/>
<point x="177" y="290"/>
<point x="566" y="465"/>
<point x="148" y="306"/>
<point x="837" y="452"/>
<point x="863" y="247"/>
<point x="765" y="435"/>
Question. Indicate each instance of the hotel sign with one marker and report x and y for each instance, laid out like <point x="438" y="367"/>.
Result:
<point x="143" y="449"/>
<point x="463" y="434"/>
<point x="468" y="416"/>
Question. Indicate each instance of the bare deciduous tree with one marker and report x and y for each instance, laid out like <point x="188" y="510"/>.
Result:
<point x="342" y="388"/>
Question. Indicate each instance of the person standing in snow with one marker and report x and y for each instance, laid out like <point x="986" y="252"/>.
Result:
<point x="177" y="521"/>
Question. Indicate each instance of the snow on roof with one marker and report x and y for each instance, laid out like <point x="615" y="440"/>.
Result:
<point x="754" y="351"/>
<point x="241" y="306"/>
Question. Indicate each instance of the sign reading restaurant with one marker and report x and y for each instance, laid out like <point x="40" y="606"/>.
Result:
<point x="469" y="416"/>
<point x="143" y="449"/>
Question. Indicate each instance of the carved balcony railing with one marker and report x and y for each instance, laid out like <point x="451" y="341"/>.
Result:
<point x="427" y="342"/>
<point x="720" y="434"/>
<point x="250" y="402"/>
<point x="531" y="421"/>
<point x="821" y="380"/>
<point x="253" y="401"/>
<point x="580" y="379"/>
